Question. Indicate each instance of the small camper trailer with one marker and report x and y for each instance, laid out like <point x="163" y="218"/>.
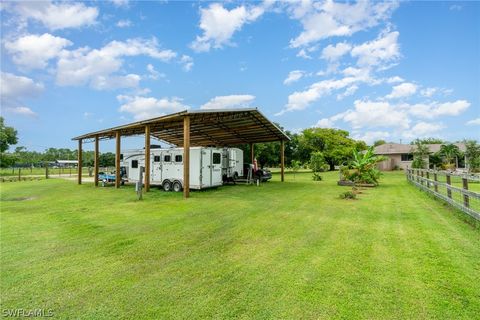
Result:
<point x="207" y="166"/>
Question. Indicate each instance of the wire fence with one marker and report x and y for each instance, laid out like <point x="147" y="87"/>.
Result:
<point x="459" y="190"/>
<point x="34" y="173"/>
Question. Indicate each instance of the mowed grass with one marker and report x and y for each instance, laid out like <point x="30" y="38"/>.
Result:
<point x="278" y="251"/>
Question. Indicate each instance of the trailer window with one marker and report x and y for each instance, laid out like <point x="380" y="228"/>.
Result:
<point x="121" y="156"/>
<point x="156" y="159"/>
<point x="178" y="158"/>
<point x="167" y="158"/>
<point x="217" y="158"/>
<point x="134" y="163"/>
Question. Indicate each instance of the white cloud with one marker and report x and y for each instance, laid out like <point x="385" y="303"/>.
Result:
<point x="395" y="79"/>
<point x="371" y="136"/>
<point x="34" y="51"/>
<point x="187" y="62"/>
<point x="124" y="23"/>
<point x="348" y="92"/>
<point x="375" y="114"/>
<point x="436" y="109"/>
<point x="325" y="123"/>
<point x="300" y="100"/>
<point x="231" y="101"/>
<point x="96" y="66"/>
<point x="149" y="107"/>
<point x="428" y="92"/>
<point x="14" y="89"/>
<point x="378" y="52"/>
<point x="219" y="24"/>
<point x="333" y="53"/>
<point x="303" y="54"/>
<point x="154" y="74"/>
<point x="57" y="16"/>
<point x="423" y="129"/>
<point x="293" y="76"/>
<point x="322" y="20"/>
<point x="403" y="90"/>
<point x="474" y="122"/>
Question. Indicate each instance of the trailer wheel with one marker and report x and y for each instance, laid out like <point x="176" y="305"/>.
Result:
<point x="177" y="186"/>
<point x="167" y="185"/>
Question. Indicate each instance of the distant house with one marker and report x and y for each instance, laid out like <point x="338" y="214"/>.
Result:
<point x="401" y="155"/>
<point x="66" y="163"/>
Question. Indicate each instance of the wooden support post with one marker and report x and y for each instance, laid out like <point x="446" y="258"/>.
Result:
<point x="449" y="182"/>
<point x="436" y="180"/>
<point x="79" y="161"/>
<point x="252" y="153"/>
<point x="282" y="160"/>
<point x="186" y="157"/>
<point x="117" y="160"/>
<point x="147" y="158"/>
<point x="95" y="161"/>
<point x="466" y="200"/>
<point x="428" y="180"/>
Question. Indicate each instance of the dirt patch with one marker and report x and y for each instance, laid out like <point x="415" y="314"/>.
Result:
<point x="20" y="199"/>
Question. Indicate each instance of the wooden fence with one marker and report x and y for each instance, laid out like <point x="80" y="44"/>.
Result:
<point x="450" y="187"/>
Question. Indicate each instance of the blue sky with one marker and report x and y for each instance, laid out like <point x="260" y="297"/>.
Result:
<point x="381" y="70"/>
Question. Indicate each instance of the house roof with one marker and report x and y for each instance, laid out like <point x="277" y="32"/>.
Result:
<point x="398" y="148"/>
<point x="207" y="127"/>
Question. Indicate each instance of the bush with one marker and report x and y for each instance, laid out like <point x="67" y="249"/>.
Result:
<point x="348" y="195"/>
<point x="317" y="176"/>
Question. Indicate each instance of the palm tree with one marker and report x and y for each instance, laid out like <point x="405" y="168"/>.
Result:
<point x="449" y="152"/>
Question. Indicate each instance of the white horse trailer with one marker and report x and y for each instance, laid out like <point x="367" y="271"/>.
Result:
<point x="166" y="167"/>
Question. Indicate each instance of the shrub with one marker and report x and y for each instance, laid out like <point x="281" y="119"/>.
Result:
<point x="348" y="195"/>
<point x="317" y="176"/>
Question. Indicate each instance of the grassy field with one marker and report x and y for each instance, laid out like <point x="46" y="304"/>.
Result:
<point x="278" y="251"/>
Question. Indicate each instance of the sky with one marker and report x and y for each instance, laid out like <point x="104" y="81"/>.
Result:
<point x="381" y="70"/>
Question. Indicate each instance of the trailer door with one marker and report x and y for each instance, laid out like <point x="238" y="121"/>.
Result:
<point x="156" y="171"/>
<point x="216" y="168"/>
<point x="205" y="168"/>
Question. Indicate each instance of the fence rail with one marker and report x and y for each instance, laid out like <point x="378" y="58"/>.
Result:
<point x="459" y="196"/>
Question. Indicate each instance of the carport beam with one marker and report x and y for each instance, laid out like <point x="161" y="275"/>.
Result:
<point x="96" y="164"/>
<point x="117" y="159"/>
<point x="186" y="157"/>
<point x="79" y="165"/>
<point x="147" y="158"/>
<point x="282" y="159"/>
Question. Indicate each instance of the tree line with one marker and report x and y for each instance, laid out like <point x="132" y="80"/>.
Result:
<point x="334" y="146"/>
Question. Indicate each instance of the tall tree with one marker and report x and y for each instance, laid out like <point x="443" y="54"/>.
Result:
<point x="8" y="137"/>
<point x="420" y="153"/>
<point x="335" y="144"/>
<point x="472" y="153"/>
<point x="379" y="143"/>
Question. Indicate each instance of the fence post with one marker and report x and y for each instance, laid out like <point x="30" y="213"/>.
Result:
<point x="19" y="174"/>
<point x="436" y="180"/>
<point x="428" y="180"/>
<point x="421" y="174"/>
<point x="46" y="171"/>
<point x="466" y="200"/>
<point x="449" y="183"/>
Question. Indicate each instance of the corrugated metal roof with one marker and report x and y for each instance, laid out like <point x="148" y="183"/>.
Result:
<point x="207" y="127"/>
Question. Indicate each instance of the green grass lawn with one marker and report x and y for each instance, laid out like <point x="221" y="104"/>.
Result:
<point x="278" y="251"/>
